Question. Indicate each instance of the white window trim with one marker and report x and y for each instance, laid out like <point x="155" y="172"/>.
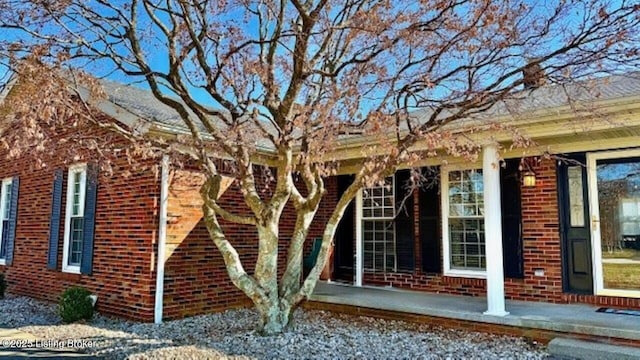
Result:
<point x="446" y="246"/>
<point x="82" y="168"/>
<point x="3" y="202"/>
<point x="380" y="218"/>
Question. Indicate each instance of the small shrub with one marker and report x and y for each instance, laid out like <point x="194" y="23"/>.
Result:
<point x="75" y="305"/>
<point x="3" y="286"/>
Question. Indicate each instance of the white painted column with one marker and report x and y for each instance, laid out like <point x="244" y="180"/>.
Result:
<point x="359" y="250"/>
<point x="162" y="239"/>
<point x="493" y="231"/>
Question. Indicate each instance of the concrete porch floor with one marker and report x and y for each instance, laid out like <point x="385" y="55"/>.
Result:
<point x="577" y="319"/>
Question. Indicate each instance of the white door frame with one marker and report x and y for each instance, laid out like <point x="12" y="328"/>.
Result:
<point x="359" y="242"/>
<point x="594" y="209"/>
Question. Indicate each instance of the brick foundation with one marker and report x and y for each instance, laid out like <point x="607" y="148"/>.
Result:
<point x="539" y="335"/>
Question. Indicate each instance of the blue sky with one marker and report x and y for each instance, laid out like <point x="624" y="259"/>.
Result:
<point x="158" y="58"/>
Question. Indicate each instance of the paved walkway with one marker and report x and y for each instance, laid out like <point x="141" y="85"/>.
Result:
<point x="566" y="318"/>
<point x="16" y="344"/>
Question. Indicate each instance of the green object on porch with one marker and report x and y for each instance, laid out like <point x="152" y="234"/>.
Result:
<point x="309" y="261"/>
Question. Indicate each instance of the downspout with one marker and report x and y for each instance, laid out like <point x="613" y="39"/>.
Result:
<point x="162" y="238"/>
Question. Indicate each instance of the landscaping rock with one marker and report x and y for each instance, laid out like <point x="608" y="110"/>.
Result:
<point x="231" y="335"/>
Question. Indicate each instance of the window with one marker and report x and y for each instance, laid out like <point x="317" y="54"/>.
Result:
<point x="630" y="216"/>
<point x="74" y="218"/>
<point x="463" y="223"/>
<point x="378" y="227"/>
<point x="576" y="198"/>
<point x="5" y="209"/>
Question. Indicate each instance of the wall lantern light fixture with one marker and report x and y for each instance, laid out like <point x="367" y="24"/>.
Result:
<point x="527" y="173"/>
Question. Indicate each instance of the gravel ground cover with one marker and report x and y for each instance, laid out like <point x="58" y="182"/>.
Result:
<point x="231" y="335"/>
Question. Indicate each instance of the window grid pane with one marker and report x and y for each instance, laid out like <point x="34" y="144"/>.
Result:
<point x="379" y="245"/>
<point x="378" y="234"/>
<point x="467" y="239"/>
<point x="466" y="194"/>
<point x="466" y="220"/>
<point x="75" y="243"/>
<point x="77" y="177"/>
<point x="7" y="201"/>
<point x="5" y="235"/>
<point x="378" y="202"/>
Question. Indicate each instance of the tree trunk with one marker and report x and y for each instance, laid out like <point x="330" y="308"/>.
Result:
<point x="275" y="304"/>
<point x="274" y="319"/>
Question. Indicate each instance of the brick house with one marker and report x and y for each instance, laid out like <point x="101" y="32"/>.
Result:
<point x="68" y="225"/>
<point x="559" y="222"/>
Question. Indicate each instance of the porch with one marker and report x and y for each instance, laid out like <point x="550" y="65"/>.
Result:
<point x="536" y="320"/>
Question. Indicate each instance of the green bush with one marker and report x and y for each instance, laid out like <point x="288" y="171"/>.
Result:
<point x="75" y="305"/>
<point x="3" y="286"/>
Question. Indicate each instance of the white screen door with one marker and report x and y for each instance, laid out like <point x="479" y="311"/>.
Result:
<point x="614" y="192"/>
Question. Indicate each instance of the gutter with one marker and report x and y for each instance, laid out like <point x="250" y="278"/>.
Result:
<point x="162" y="238"/>
<point x="551" y="114"/>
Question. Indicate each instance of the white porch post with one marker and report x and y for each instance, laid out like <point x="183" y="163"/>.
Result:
<point x="493" y="231"/>
<point x="359" y="264"/>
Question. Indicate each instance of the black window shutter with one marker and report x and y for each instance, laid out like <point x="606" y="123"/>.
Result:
<point x="86" y="263"/>
<point x="13" y="216"/>
<point x="429" y="202"/>
<point x="511" y="204"/>
<point x="54" y="224"/>
<point x="405" y="236"/>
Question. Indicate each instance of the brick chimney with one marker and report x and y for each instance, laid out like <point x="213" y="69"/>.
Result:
<point x="533" y="75"/>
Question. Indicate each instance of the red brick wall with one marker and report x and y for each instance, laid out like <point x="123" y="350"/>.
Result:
<point x="541" y="239"/>
<point x="196" y="280"/>
<point x="126" y="224"/>
<point x="541" y="249"/>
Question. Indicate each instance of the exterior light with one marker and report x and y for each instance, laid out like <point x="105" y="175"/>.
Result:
<point x="529" y="179"/>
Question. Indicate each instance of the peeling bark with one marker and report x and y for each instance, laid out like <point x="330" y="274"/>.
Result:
<point x="290" y="282"/>
<point x="266" y="269"/>
<point x="275" y="318"/>
<point x="275" y="301"/>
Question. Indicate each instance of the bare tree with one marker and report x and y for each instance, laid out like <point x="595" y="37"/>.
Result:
<point x="283" y="82"/>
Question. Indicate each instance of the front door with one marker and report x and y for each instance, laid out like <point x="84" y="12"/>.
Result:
<point x="614" y="189"/>
<point x="343" y="255"/>
<point x="574" y="212"/>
